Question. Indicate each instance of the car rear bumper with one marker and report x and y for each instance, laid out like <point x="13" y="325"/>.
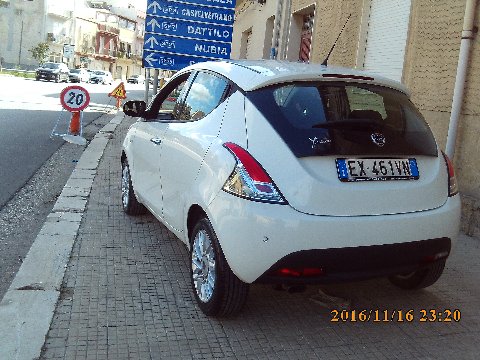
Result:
<point x="46" y="76"/>
<point x="356" y="263"/>
<point x="258" y="239"/>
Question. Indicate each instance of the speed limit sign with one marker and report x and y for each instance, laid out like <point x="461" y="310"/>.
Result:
<point x="74" y="98"/>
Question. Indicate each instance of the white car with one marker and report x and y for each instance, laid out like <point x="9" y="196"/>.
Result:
<point x="136" y="79"/>
<point x="279" y="172"/>
<point x="101" y="77"/>
<point x="79" y="75"/>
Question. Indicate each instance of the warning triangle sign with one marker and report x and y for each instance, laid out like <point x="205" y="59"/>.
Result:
<point x="119" y="92"/>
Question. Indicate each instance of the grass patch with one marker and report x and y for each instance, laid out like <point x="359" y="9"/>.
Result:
<point x="19" y="73"/>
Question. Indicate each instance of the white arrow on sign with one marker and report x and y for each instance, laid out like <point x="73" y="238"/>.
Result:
<point x="155" y="7"/>
<point x="151" y="40"/>
<point x="149" y="59"/>
<point x="153" y="23"/>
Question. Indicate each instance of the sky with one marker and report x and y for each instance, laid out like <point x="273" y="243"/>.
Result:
<point x="139" y="4"/>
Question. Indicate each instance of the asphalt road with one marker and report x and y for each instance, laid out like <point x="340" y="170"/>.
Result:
<point x="28" y="112"/>
<point x="33" y="166"/>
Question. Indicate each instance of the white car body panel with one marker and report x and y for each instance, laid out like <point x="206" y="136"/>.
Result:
<point x="268" y="72"/>
<point x="183" y="149"/>
<point x="315" y="188"/>
<point x="190" y="165"/>
<point x="146" y="174"/>
<point x="256" y="235"/>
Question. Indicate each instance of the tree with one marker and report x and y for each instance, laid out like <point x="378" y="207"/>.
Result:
<point x="40" y="52"/>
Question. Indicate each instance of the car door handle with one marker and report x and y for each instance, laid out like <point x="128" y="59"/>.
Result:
<point x="156" y="141"/>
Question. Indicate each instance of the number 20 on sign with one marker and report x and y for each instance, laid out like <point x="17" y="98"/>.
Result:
<point x="73" y="99"/>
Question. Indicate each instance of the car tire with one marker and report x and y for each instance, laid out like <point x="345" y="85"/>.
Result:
<point x="419" y="279"/>
<point x="130" y="204"/>
<point x="217" y="290"/>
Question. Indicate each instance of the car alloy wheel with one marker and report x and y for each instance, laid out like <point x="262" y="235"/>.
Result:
<point x="217" y="289"/>
<point x="130" y="204"/>
<point x="203" y="266"/>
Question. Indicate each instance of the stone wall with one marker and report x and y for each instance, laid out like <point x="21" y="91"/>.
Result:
<point x="430" y="70"/>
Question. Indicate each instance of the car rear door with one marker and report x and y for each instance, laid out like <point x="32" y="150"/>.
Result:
<point x="186" y="142"/>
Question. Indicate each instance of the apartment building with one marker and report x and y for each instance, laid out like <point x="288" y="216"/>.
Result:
<point x="96" y="34"/>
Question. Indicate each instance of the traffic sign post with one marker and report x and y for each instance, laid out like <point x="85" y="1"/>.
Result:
<point x="179" y="34"/>
<point x="73" y="99"/>
<point x="119" y="93"/>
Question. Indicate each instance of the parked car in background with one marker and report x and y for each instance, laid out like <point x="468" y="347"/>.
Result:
<point x="52" y="71"/>
<point x="91" y="73"/>
<point x="291" y="173"/>
<point x="101" y="77"/>
<point x="136" y="79"/>
<point x="79" y="75"/>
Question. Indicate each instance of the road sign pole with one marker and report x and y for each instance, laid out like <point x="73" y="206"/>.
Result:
<point x="147" y="85"/>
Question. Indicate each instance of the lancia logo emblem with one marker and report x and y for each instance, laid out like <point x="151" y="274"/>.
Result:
<point x="378" y="139"/>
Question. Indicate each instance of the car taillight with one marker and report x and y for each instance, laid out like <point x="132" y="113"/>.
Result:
<point x="249" y="180"/>
<point x="452" y="180"/>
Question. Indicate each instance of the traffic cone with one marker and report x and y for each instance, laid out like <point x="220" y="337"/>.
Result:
<point x="74" y="127"/>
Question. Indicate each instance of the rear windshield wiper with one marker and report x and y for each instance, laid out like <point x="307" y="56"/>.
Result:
<point x="351" y="123"/>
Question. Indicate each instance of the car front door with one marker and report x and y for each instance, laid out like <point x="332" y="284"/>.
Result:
<point x="147" y="143"/>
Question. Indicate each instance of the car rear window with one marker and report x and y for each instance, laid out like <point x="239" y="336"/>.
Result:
<point x="51" y="66"/>
<point x="344" y="119"/>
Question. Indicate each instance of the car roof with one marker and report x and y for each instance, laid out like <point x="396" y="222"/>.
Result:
<point x="255" y="74"/>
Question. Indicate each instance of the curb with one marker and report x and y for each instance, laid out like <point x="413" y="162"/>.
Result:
<point x="28" y="306"/>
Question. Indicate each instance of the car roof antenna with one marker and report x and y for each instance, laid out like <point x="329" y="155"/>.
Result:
<point x="335" y="43"/>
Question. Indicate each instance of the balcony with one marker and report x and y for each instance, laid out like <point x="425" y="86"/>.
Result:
<point x="108" y="30"/>
<point x="106" y="56"/>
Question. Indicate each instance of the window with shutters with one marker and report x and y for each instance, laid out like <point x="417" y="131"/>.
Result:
<point x="306" y="38"/>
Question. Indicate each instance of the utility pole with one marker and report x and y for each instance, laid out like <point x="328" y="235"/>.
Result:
<point x="21" y="40"/>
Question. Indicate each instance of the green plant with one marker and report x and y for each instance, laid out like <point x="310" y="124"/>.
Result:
<point x="40" y="52"/>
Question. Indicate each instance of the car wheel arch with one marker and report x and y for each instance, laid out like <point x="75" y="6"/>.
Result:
<point x="195" y="213"/>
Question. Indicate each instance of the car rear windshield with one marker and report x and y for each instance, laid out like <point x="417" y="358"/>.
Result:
<point x="51" y="66"/>
<point x="344" y="119"/>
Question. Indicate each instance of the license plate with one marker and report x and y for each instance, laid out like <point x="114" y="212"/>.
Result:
<point x="377" y="169"/>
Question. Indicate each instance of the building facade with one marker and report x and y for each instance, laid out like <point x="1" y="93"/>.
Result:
<point x="97" y="35"/>
<point x="415" y="42"/>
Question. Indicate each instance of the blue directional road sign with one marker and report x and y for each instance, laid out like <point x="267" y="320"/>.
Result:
<point x="179" y="33"/>
<point x="185" y="46"/>
<point x="188" y="29"/>
<point x="184" y="11"/>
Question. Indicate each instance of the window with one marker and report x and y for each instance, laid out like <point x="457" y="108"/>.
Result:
<point x="340" y="119"/>
<point x="167" y="104"/>
<point x="190" y="97"/>
<point x="205" y="94"/>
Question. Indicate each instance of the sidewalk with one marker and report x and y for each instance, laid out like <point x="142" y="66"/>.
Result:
<point x="126" y="295"/>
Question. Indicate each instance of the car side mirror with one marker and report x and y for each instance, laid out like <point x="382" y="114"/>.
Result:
<point x="135" y="108"/>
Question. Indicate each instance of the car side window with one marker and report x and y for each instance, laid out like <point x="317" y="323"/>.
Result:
<point x="168" y="103"/>
<point x="203" y="97"/>
<point x="173" y="101"/>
